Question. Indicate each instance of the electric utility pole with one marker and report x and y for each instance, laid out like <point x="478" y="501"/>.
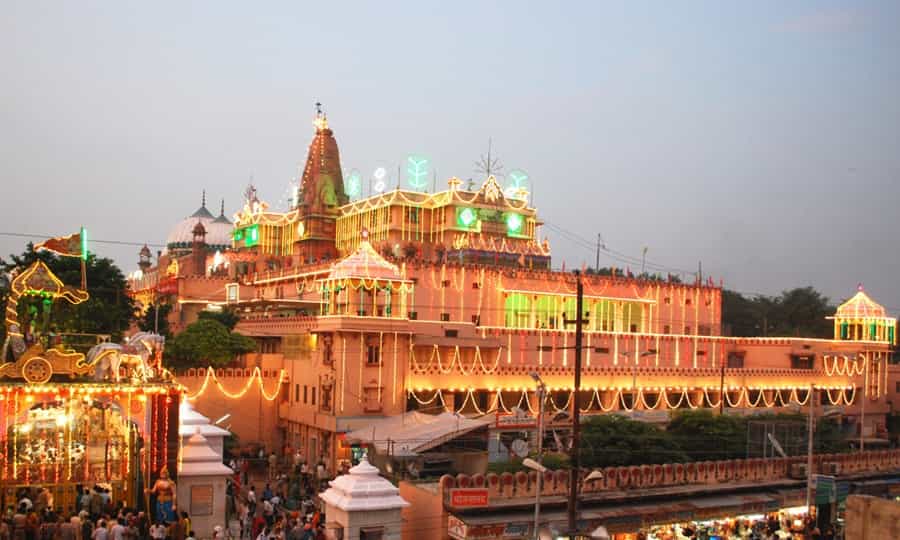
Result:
<point x="574" y="457"/>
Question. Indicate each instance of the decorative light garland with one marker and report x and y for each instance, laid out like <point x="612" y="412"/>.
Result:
<point x="255" y="376"/>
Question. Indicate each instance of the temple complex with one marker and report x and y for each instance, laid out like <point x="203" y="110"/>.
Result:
<point x="447" y="301"/>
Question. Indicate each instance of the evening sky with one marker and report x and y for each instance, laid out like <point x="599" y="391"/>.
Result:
<point x="761" y="138"/>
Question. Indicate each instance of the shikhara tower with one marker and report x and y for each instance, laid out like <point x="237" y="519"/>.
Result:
<point x="321" y="195"/>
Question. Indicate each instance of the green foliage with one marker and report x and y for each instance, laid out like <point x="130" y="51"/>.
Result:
<point x="109" y="310"/>
<point x="148" y="321"/>
<point x="227" y="317"/>
<point x="552" y="461"/>
<point x="206" y="343"/>
<point x="797" y="312"/>
<point x="707" y="436"/>
<point x="614" y="440"/>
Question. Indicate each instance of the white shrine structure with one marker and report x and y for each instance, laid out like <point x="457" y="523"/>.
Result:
<point x="190" y="420"/>
<point x="201" y="485"/>
<point x="363" y="506"/>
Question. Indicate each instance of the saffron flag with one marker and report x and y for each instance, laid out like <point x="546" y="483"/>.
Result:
<point x="66" y="246"/>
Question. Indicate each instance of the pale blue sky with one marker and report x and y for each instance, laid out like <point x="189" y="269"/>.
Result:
<point x="761" y="138"/>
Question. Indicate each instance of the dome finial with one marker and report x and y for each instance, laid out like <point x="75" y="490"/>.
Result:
<point x="859" y="286"/>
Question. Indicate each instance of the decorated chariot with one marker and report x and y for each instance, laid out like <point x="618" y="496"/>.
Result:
<point x="99" y="414"/>
<point x="42" y="358"/>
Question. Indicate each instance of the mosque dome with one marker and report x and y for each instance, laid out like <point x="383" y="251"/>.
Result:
<point x="218" y="230"/>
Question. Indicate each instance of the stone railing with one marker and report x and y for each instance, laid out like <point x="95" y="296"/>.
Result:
<point x="522" y="484"/>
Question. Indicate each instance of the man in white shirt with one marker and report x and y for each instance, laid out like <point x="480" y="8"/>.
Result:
<point x="100" y="533"/>
<point x="157" y="531"/>
<point x="118" y="530"/>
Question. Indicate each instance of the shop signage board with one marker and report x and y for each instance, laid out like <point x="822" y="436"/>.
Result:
<point x="825" y="489"/>
<point x="469" y="497"/>
<point x="456" y="528"/>
<point x="516" y="530"/>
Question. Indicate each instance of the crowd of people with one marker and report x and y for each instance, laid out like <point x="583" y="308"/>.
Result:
<point x="774" y="526"/>
<point x="95" y="516"/>
<point x="285" y="509"/>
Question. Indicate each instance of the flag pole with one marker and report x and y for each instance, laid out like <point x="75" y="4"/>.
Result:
<point x="84" y="254"/>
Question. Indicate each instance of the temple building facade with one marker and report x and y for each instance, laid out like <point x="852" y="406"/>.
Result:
<point x="447" y="301"/>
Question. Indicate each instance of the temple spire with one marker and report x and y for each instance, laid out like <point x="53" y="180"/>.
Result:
<point x="203" y="200"/>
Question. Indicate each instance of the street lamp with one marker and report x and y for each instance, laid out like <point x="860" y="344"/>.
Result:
<point x="537" y="465"/>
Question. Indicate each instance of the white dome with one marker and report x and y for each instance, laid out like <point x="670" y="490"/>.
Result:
<point x="218" y="231"/>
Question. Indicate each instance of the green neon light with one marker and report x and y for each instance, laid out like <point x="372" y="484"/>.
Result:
<point x="354" y="184"/>
<point x="251" y="235"/>
<point x="84" y="244"/>
<point x="466" y="217"/>
<point x="238" y="235"/>
<point x="417" y="172"/>
<point x="514" y="223"/>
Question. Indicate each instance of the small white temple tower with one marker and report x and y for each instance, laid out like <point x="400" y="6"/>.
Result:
<point x="190" y="420"/>
<point x="201" y="485"/>
<point x="362" y="505"/>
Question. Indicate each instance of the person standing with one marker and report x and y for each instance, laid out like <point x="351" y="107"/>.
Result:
<point x="251" y="500"/>
<point x="273" y="465"/>
<point x="100" y="533"/>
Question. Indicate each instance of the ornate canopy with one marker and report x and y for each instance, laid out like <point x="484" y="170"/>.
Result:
<point x="860" y="306"/>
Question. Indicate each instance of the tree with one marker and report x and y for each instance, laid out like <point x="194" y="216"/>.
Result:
<point x="802" y="312"/>
<point x="614" y="440"/>
<point x="109" y="310"/>
<point x="153" y="322"/>
<point x="704" y="436"/>
<point x="207" y="343"/>
<point x="227" y="317"/>
<point x="799" y="312"/>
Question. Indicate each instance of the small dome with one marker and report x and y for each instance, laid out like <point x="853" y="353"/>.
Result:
<point x="218" y="232"/>
<point x="860" y="307"/>
<point x="364" y="263"/>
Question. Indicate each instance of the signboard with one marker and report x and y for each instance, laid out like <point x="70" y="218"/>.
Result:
<point x="517" y="419"/>
<point x="456" y="528"/>
<point x="202" y="500"/>
<point x="516" y="530"/>
<point x="825" y="489"/>
<point x="469" y="497"/>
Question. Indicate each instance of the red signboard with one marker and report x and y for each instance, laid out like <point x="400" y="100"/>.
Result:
<point x="468" y="497"/>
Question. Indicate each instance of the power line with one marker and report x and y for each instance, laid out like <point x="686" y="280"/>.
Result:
<point x="92" y="240"/>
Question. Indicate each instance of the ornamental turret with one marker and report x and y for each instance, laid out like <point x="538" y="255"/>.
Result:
<point x="144" y="262"/>
<point x="862" y="319"/>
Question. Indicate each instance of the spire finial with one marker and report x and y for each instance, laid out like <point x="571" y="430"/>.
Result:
<point x="203" y="200"/>
<point x="321" y="121"/>
<point x="859" y="287"/>
<point x="222" y="209"/>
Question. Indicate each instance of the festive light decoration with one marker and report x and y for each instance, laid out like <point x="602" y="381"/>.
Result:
<point x="466" y="217"/>
<point x="417" y="172"/>
<point x="514" y="223"/>
<point x="353" y="184"/>
<point x="517" y="186"/>
<point x="617" y="399"/>
<point x="255" y="377"/>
